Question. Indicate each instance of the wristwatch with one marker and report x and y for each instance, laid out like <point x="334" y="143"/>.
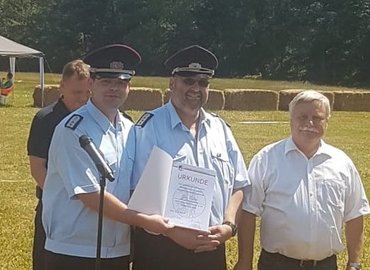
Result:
<point x="234" y="228"/>
<point x="355" y="266"/>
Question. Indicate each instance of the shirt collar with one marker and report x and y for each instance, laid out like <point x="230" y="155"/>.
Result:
<point x="323" y="148"/>
<point x="100" y="118"/>
<point x="205" y="117"/>
<point x="175" y="119"/>
<point x="60" y="106"/>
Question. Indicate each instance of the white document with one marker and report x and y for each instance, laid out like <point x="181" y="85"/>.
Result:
<point x="150" y="194"/>
<point x="190" y="195"/>
<point x="183" y="193"/>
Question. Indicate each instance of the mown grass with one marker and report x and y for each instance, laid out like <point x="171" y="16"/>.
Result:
<point x="347" y="130"/>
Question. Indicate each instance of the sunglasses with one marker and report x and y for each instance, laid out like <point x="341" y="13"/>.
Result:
<point x="204" y="82"/>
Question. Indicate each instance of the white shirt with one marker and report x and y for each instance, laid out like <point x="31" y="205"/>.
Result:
<point x="302" y="202"/>
<point x="71" y="227"/>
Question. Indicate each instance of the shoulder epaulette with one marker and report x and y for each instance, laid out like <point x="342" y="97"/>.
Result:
<point x="73" y="121"/>
<point x="144" y="119"/>
<point x="216" y="115"/>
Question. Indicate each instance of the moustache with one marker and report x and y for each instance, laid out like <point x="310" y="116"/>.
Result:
<point x="309" y="129"/>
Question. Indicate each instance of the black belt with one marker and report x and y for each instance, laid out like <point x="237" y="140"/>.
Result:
<point x="284" y="259"/>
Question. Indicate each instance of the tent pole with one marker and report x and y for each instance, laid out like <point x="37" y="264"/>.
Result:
<point x="42" y="79"/>
<point x="12" y="66"/>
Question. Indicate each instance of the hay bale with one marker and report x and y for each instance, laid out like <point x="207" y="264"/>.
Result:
<point x="166" y="96"/>
<point x="286" y="96"/>
<point x="51" y="94"/>
<point x="216" y="99"/>
<point x="251" y="100"/>
<point x="352" y="101"/>
<point x="143" y="99"/>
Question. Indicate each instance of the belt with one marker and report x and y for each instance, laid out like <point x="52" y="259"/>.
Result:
<point x="301" y="263"/>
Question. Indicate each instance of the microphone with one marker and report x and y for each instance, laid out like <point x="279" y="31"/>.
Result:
<point x="102" y="166"/>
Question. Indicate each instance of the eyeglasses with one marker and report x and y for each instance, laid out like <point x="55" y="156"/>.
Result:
<point x="315" y="119"/>
<point x="191" y="81"/>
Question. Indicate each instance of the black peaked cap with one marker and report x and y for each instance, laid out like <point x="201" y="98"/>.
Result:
<point x="192" y="60"/>
<point x="113" y="61"/>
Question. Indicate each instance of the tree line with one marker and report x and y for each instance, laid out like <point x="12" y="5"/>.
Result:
<point x="318" y="41"/>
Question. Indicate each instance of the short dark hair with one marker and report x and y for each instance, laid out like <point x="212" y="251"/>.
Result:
<point x="76" y="67"/>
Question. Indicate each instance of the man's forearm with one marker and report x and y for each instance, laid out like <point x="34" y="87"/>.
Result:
<point x="247" y="227"/>
<point x="234" y="206"/>
<point x="38" y="170"/>
<point x="117" y="210"/>
<point x="354" y="236"/>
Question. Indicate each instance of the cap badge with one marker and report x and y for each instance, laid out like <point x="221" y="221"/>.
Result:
<point x="195" y="65"/>
<point x="116" y="65"/>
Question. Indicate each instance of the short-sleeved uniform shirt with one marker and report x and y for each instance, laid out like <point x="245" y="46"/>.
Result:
<point x="302" y="202"/>
<point x="213" y="148"/>
<point x="71" y="227"/>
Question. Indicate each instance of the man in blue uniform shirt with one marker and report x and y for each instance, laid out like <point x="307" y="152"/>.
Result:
<point x="75" y="91"/>
<point x="192" y="136"/>
<point x="71" y="189"/>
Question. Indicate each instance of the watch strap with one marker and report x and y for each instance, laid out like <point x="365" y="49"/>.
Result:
<point x="234" y="228"/>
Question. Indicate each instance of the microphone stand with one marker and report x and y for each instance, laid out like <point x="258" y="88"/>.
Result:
<point x="100" y="223"/>
<point x="105" y="173"/>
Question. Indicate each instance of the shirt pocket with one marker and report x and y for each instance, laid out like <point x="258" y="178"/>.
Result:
<point x="124" y="177"/>
<point x="126" y="168"/>
<point x="331" y="195"/>
<point x="223" y="167"/>
<point x="111" y="160"/>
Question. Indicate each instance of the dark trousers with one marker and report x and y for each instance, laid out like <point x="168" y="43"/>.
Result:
<point x="55" y="261"/>
<point x="154" y="252"/>
<point x="38" y="251"/>
<point x="276" y="261"/>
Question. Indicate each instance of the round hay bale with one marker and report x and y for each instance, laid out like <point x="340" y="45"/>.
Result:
<point x="216" y="99"/>
<point x="143" y="99"/>
<point x="251" y="100"/>
<point x="51" y="94"/>
<point x="352" y="101"/>
<point x="286" y="96"/>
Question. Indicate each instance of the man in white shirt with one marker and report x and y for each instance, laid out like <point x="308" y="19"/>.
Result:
<point x="304" y="190"/>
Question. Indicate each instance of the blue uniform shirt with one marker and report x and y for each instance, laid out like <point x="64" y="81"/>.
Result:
<point x="71" y="227"/>
<point x="214" y="148"/>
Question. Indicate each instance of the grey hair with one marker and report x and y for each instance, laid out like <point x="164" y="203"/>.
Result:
<point x="309" y="96"/>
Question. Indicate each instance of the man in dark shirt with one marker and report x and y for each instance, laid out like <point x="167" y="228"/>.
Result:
<point x="75" y="91"/>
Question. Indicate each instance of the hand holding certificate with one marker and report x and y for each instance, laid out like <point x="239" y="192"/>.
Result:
<point x="181" y="192"/>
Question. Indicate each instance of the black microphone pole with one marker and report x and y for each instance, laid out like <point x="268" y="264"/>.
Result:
<point x="105" y="173"/>
<point x="100" y="223"/>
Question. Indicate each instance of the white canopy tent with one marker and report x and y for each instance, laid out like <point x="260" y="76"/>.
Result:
<point x="15" y="50"/>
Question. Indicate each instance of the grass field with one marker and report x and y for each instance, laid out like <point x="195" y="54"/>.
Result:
<point x="347" y="130"/>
